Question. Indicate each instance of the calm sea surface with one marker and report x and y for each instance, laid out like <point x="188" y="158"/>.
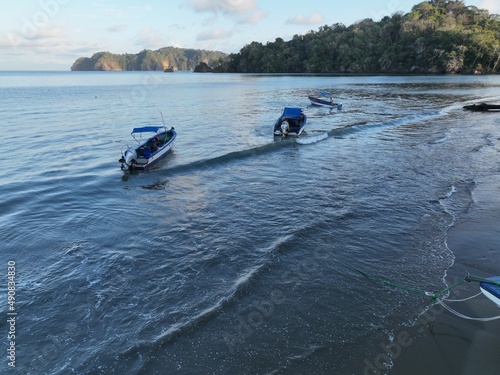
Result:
<point x="230" y="256"/>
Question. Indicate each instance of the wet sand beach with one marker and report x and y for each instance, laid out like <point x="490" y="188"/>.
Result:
<point x="443" y="343"/>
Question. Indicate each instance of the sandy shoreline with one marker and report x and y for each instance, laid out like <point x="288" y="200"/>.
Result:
<point x="442" y="343"/>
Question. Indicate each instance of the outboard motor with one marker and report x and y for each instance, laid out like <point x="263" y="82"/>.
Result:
<point x="128" y="159"/>
<point x="285" y="128"/>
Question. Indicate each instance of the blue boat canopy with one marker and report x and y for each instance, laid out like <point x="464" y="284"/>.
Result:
<point x="291" y="112"/>
<point x="147" y="129"/>
<point x="324" y="93"/>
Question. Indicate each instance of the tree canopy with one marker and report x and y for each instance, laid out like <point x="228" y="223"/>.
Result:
<point x="437" y="36"/>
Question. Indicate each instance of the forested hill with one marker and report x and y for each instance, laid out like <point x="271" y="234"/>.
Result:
<point x="164" y="58"/>
<point x="435" y="37"/>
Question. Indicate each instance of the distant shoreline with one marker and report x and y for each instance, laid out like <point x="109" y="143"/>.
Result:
<point x="403" y="74"/>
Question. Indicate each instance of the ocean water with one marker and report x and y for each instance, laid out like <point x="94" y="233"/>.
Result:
<point x="237" y="254"/>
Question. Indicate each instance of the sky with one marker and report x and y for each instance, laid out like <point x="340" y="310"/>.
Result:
<point x="52" y="34"/>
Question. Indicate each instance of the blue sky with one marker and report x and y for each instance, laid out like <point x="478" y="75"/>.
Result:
<point x="52" y="34"/>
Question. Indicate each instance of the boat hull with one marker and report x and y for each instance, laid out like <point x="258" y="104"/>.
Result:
<point x="144" y="156"/>
<point x="324" y="103"/>
<point x="291" y="123"/>
<point x="492" y="291"/>
<point x="482" y="107"/>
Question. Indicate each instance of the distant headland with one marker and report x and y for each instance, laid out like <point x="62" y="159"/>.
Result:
<point x="165" y="59"/>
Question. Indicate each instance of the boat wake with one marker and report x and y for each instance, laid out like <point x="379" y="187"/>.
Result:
<point x="312" y="139"/>
<point x="229" y="157"/>
<point x="304" y="140"/>
<point x="394" y="122"/>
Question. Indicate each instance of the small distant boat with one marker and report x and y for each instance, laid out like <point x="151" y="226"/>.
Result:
<point x="155" y="147"/>
<point x="168" y="70"/>
<point x="482" y="107"/>
<point x="326" y="101"/>
<point x="291" y="122"/>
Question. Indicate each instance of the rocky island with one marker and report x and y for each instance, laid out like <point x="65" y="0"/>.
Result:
<point x="164" y="59"/>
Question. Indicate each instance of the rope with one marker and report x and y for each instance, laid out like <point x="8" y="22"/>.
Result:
<point x="462" y="300"/>
<point x="460" y="315"/>
<point x="444" y="291"/>
<point x="481" y="280"/>
<point x="384" y="281"/>
<point x="434" y="295"/>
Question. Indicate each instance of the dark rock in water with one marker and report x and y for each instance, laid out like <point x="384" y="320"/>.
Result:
<point x="203" y="68"/>
<point x="482" y="107"/>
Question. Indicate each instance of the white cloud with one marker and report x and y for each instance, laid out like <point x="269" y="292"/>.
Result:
<point x="253" y="18"/>
<point x="48" y="48"/>
<point x="314" y="19"/>
<point x="211" y="21"/>
<point x="215" y="34"/>
<point x="222" y="6"/>
<point x="117" y="28"/>
<point x="493" y="6"/>
<point x="235" y="12"/>
<point x="33" y="37"/>
<point x="150" y="38"/>
<point x="104" y="9"/>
